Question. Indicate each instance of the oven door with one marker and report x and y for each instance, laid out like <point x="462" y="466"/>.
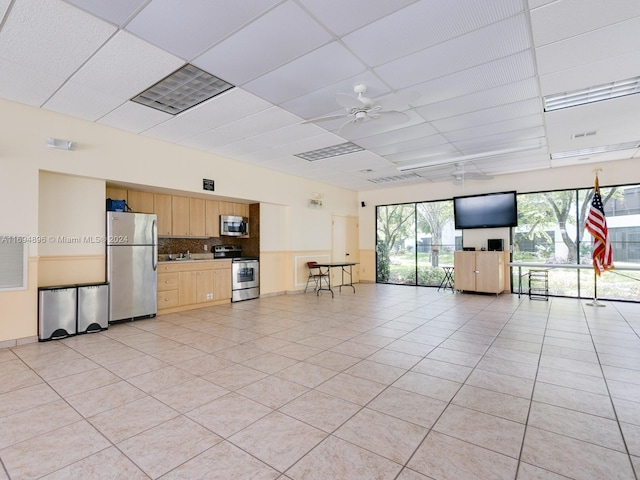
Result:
<point x="245" y="274"/>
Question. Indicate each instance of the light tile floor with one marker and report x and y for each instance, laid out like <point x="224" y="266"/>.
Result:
<point x="392" y="382"/>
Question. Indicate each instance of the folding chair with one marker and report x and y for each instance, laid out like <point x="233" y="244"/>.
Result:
<point x="315" y="275"/>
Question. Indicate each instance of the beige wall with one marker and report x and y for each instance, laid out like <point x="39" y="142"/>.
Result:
<point x="49" y="191"/>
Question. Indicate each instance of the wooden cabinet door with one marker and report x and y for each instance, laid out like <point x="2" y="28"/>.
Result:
<point x="162" y="208"/>
<point x="187" y="288"/>
<point x="221" y="283"/>
<point x="140" y="202"/>
<point x="241" y="209"/>
<point x="464" y="271"/>
<point x="196" y="217"/>
<point x="227" y="208"/>
<point x="204" y="286"/>
<point x="490" y="277"/>
<point x="180" y="216"/>
<point x="116" y="193"/>
<point x="212" y="218"/>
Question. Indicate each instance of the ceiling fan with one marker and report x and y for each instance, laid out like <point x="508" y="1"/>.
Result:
<point x="459" y="175"/>
<point x="362" y="109"/>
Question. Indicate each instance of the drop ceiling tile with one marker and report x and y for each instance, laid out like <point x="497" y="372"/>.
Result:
<point x="482" y="77"/>
<point x="614" y="41"/>
<point x="322" y="102"/>
<point x="353" y="14"/>
<point x="306" y="74"/>
<point x="237" y="149"/>
<point x="480" y="131"/>
<point x="51" y="36"/>
<point x="481" y="46"/>
<point x="134" y="117"/>
<point x="489" y="115"/>
<point x="4" y="5"/>
<point x="312" y="143"/>
<point x="501" y="95"/>
<point x="419" y="145"/>
<point x="82" y="102"/>
<point x="287" y="134"/>
<point x="126" y="66"/>
<point x="277" y="37"/>
<point x="597" y="73"/>
<point x="188" y="32"/>
<point x="525" y="137"/>
<point x="400" y="135"/>
<point x="436" y="151"/>
<point x="227" y="107"/>
<point x="570" y="18"/>
<point x="114" y="11"/>
<point x="27" y="85"/>
<point x="425" y="24"/>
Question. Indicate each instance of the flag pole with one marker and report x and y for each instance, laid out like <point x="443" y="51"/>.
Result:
<point x="595" y="302"/>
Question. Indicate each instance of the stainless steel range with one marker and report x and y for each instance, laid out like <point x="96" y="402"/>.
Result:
<point x="245" y="272"/>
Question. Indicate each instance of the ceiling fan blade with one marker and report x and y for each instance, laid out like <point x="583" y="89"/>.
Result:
<point x="397" y="101"/>
<point x="348" y="127"/>
<point x="326" y="119"/>
<point x="390" y="117"/>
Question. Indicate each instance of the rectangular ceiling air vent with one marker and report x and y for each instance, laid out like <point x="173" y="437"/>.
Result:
<point x="584" y="134"/>
<point x="328" y="152"/>
<point x="593" y="94"/>
<point x="183" y="89"/>
<point x="595" y="150"/>
<point x="395" y="178"/>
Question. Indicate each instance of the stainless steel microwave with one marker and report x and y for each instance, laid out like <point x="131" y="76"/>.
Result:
<point x="234" y="226"/>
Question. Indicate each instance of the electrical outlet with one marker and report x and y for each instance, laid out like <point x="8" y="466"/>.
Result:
<point x="206" y="248"/>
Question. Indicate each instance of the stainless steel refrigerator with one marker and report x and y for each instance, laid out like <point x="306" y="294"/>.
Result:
<point x="132" y="265"/>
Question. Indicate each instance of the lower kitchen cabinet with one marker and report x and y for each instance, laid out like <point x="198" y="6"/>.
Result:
<point x="188" y="285"/>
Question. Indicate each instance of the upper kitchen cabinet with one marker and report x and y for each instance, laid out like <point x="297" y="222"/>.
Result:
<point x="140" y="202"/>
<point x="180" y="216"/>
<point x="196" y="217"/>
<point x="212" y="218"/>
<point x="232" y="208"/>
<point x="162" y="208"/>
<point x="117" y="193"/>
<point x="187" y="216"/>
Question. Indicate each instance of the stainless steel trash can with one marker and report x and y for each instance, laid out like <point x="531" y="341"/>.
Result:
<point x="93" y="307"/>
<point x="57" y="310"/>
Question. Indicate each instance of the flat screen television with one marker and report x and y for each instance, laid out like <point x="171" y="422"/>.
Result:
<point x="486" y="211"/>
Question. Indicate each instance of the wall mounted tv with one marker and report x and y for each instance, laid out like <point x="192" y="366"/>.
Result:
<point x="486" y="211"/>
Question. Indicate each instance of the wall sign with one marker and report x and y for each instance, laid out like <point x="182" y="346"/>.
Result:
<point x="207" y="184"/>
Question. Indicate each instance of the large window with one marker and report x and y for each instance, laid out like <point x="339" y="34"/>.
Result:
<point x="414" y="241"/>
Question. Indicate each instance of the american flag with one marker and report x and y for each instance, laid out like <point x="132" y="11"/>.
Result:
<point x="596" y="224"/>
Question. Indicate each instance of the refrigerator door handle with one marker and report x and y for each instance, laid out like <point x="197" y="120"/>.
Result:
<point x="154" y="250"/>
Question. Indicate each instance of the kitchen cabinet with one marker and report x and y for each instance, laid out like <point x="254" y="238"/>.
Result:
<point x="195" y="287"/>
<point x="196" y="217"/>
<point x="116" y="193"/>
<point x="232" y="208"/>
<point x="162" y="209"/>
<point x="193" y="284"/>
<point x="179" y="216"/>
<point x="212" y="218"/>
<point x="479" y="271"/>
<point x="222" y="283"/>
<point x="187" y="216"/>
<point x="140" y="202"/>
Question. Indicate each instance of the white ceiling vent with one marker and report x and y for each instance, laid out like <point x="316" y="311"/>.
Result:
<point x="328" y="152"/>
<point x="395" y="178"/>
<point x="590" y="133"/>
<point x="183" y="89"/>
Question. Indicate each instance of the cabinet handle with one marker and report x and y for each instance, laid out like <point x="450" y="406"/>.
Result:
<point x="476" y="271"/>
